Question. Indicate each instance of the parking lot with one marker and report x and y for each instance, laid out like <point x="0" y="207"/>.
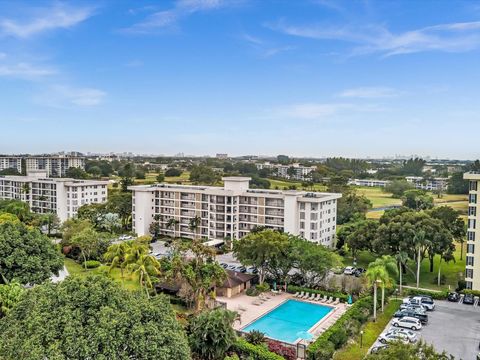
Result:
<point x="452" y="327"/>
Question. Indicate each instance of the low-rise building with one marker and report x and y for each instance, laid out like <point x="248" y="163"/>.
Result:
<point x="11" y="162"/>
<point x="292" y="171"/>
<point x="53" y="165"/>
<point x="369" y="182"/>
<point x="233" y="210"/>
<point x="62" y="196"/>
<point x="429" y="184"/>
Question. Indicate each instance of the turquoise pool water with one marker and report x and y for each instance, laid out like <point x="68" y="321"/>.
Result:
<point x="284" y="322"/>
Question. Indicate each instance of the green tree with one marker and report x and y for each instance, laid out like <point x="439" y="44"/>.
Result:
<point x="417" y="351"/>
<point x="194" y="225"/>
<point x="202" y="174"/>
<point x="352" y="207"/>
<point x="173" y="223"/>
<point x="173" y="172"/>
<point x="389" y="264"/>
<point x="457" y="184"/>
<point x="90" y="244"/>
<point x="453" y="222"/>
<point x="17" y="208"/>
<point x="127" y="174"/>
<point x="417" y="200"/>
<point x="211" y="334"/>
<point x="147" y="268"/>
<point x="26" y="255"/>
<point x="413" y="167"/>
<point x="160" y="177"/>
<point x="121" y="204"/>
<point x="76" y="173"/>
<point x="398" y="188"/>
<point x="52" y="222"/>
<point x="116" y="255"/>
<point x="10" y="295"/>
<point x="93" y="213"/>
<point x="362" y="236"/>
<point x="375" y="274"/>
<point x="91" y="318"/>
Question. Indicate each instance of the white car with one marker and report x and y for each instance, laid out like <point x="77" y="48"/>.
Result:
<point x="349" y="270"/>
<point x="412" y="336"/>
<point x="407" y="322"/>
<point x="390" y="337"/>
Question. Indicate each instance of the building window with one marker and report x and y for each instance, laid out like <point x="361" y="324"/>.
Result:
<point x="472" y="211"/>
<point x="472" y="198"/>
<point x="470" y="260"/>
<point x="469" y="273"/>
<point x="470" y="248"/>
<point x="473" y="185"/>
<point x="472" y="223"/>
<point x="471" y="235"/>
<point x="468" y="285"/>
<point x="302" y="215"/>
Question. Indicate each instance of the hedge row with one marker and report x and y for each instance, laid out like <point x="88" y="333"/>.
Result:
<point x="293" y="289"/>
<point x="337" y="335"/>
<point x="437" y="295"/>
<point x="254" y="352"/>
<point x="473" y="292"/>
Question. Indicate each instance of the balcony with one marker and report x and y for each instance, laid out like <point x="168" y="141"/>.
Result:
<point x="167" y="203"/>
<point x="276" y="222"/>
<point x="190" y="197"/>
<point x="274" y="212"/>
<point x="187" y="213"/>
<point x="248" y="210"/>
<point x="274" y="202"/>
<point x="248" y="201"/>
<point x="187" y="205"/>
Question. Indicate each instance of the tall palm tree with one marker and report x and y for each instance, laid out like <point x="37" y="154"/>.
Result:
<point x="401" y="258"/>
<point x="146" y="268"/>
<point x="375" y="274"/>
<point x="172" y="223"/>
<point x="116" y="255"/>
<point x="419" y="241"/>
<point x="194" y="224"/>
<point x="390" y="266"/>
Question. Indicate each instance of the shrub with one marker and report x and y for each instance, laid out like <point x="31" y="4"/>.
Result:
<point x="286" y="352"/>
<point x="437" y="295"/>
<point x="352" y="326"/>
<point x="338" y="337"/>
<point x="324" y="350"/>
<point x="232" y="357"/>
<point x="462" y="284"/>
<point x="252" y="291"/>
<point x="91" y="264"/>
<point x="255" y="337"/>
<point x="262" y="287"/>
<point x="255" y="352"/>
<point x="473" y="292"/>
<point x="343" y="297"/>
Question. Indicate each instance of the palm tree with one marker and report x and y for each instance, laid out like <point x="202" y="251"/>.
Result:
<point x="194" y="224"/>
<point x="146" y="268"/>
<point x="116" y="255"/>
<point x="447" y="256"/>
<point x="419" y="241"/>
<point x="375" y="273"/>
<point x="172" y="223"/>
<point x="390" y="266"/>
<point x="401" y="258"/>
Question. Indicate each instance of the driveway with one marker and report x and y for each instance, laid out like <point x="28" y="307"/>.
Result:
<point x="452" y="327"/>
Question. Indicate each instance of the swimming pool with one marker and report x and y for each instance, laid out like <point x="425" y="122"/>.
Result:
<point x="285" y="321"/>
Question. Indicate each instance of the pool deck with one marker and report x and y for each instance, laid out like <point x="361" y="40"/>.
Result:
<point x="249" y="312"/>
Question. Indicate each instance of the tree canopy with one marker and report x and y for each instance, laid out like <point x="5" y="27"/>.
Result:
<point x="26" y="255"/>
<point x="91" y="318"/>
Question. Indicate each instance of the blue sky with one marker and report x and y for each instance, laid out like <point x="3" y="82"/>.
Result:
<point x="306" y="77"/>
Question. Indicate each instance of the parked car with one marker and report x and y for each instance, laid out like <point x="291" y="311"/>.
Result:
<point x="415" y="307"/>
<point x="468" y="299"/>
<point x="453" y="297"/>
<point x="402" y="313"/>
<point x="359" y="272"/>
<point x="349" y="270"/>
<point x="157" y="255"/>
<point x="231" y="267"/>
<point x="407" y="322"/>
<point x="378" y="348"/>
<point x="241" y="269"/>
<point x="412" y="336"/>
<point x="252" y="270"/>
<point x="224" y="265"/>
<point x="390" y="337"/>
<point x="426" y="301"/>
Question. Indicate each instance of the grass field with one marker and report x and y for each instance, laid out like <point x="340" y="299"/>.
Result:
<point x="130" y="282"/>
<point x="282" y="184"/>
<point x="378" y="197"/>
<point x="371" y="331"/>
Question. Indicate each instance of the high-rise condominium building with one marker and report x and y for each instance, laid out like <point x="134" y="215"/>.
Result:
<point x="54" y="165"/>
<point x="233" y="210"/>
<point x="53" y="195"/>
<point x="472" y="270"/>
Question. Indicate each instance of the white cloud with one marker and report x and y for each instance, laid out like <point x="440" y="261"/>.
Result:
<point x="56" y="17"/>
<point x="23" y="70"/>
<point x="61" y="96"/>
<point x="370" y="92"/>
<point x="265" y="48"/>
<point x="182" y="8"/>
<point x="451" y="37"/>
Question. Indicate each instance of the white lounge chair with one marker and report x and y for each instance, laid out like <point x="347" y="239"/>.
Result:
<point x="296" y="294"/>
<point x="318" y="297"/>
<point x="300" y="295"/>
<point x="312" y="297"/>
<point x="336" y="302"/>
<point x="305" y="296"/>
<point x="330" y="300"/>
<point x="324" y="299"/>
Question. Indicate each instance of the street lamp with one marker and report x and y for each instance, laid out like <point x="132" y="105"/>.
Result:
<point x="361" y="339"/>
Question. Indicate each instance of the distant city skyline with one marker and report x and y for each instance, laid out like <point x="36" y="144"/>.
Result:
<point x="310" y="78"/>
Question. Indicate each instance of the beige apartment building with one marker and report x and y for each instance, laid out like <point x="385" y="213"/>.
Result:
<point x="53" y="165"/>
<point x="472" y="269"/>
<point x="233" y="210"/>
<point x="61" y="196"/>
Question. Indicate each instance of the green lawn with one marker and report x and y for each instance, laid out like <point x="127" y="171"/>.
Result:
<point x="371" y="331"/>
<point x="378" y="197"/>
<point x="130" y="282"/>
<point x="282" y="184"/>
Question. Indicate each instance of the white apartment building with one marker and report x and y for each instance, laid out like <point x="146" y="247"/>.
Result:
<point x="369" y="182"/>
<point x="428" y="184"/>
<point x="61" y="196"/>
<point x="55" y="166"/>
<point x="301" y="172"/>
<point x="472" y="268"/>
<point x="233" y="210"/>
<point x="11" y="162"/>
